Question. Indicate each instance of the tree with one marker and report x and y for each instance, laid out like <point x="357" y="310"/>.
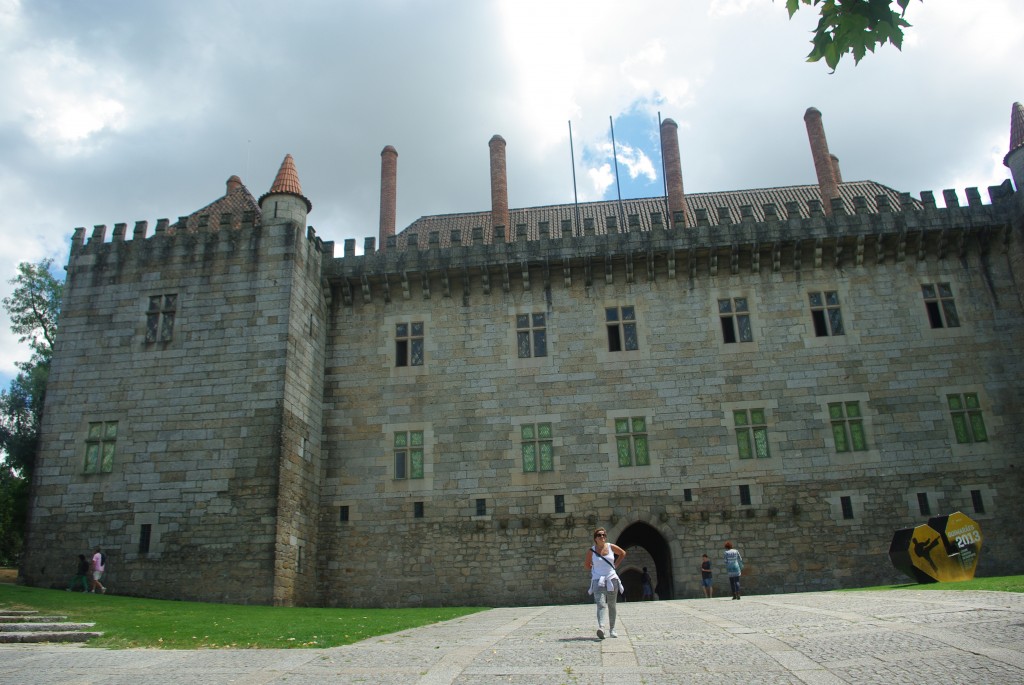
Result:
<point x="33" y="308"/>
<point x="853" y="27"/>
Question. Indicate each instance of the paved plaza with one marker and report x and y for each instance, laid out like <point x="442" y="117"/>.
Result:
<point x="933" y="637"/>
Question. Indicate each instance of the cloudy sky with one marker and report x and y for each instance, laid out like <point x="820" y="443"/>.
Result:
<point x="125" y="110"/>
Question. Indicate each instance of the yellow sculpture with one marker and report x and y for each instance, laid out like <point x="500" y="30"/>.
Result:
<point x="944" y="550"/>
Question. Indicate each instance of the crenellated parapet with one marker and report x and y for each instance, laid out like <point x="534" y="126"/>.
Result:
<point x="205" y="238"/>
<point x="789" y="237"/>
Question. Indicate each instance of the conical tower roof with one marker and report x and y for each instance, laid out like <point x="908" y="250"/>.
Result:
<point x="287" y="183"/>
<point x="1016" y="131"/>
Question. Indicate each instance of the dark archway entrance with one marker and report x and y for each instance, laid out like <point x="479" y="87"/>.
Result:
<point x="640" y="534"/>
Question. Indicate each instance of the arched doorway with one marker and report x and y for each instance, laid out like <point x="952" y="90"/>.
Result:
<point x="640" y="534"/>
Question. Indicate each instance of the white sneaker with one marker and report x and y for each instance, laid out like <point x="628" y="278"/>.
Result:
<point x="614" y="634"/>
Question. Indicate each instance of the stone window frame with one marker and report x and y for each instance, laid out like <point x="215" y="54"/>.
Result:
<point x="527" y="328"/>
<point x="386" y="461"/>
<point x="775" y="451"/>
<point x="602" y="354"/>
<point x="98" y="437"/>
<point x="134" y="531"/>
<point x="988" y="497"/>
<point x="921" y="307"/>
<point x="749" y="429"/>
<point x="912" y="499"/>
<point x="409" y="470"/>
<point x="754" y="490"/>
<point x="160" y="318"/>
<point x="407" y="335"/>
<point x="966" y="415"/>
<point x="531" y="362"/>
<point x="475" y="501"/>
<point x="624" y="473"/>
<point x="993" y="422"/>
<point x="532" y="478"/>
<point x="857" y="502"/>
<point x="850" y="336"/>
<point x="548" y="505"/>
<point x="387" y="350"/>
<point x="868" y="417"/>
<point x="753" y="303"/>
<point x="625" y="320"/>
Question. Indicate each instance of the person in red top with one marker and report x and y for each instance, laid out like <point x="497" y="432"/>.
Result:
<point x="98" y="567"/>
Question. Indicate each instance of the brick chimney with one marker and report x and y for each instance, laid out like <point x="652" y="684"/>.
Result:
<point x="828" y="185"/>
<point x="835" y="169"/>
<point x="673" y="173"/>
<point x="388" y="193"/>
<point x="499" y="186"/>
<point x="234" y="183"/>
<point x="1014" y="159"/>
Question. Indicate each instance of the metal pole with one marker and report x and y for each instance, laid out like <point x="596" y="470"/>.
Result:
<point x="575" y="196"/>
<point x="616" y="160"/>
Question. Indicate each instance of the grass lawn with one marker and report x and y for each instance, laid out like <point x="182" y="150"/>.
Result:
<point x="998" y="584"/>
<point x="133" y="622"/>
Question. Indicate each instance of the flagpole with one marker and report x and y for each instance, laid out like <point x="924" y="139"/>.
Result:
<point x="617" y="188"/>
<point x="575" y="195"/>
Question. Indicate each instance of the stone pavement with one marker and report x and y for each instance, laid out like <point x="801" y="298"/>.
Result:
<point x="933" y="637"/>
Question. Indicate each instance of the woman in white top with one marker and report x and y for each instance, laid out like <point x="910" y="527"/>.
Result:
<point x="602" y="559"/>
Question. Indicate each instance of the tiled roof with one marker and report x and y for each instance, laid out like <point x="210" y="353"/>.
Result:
<point x="1016" y="130"/>
<point x="236" y="202"/>
<point x="638" y="212"/>
<point x="287" y="182"/>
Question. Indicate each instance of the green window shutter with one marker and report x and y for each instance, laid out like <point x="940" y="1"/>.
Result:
<point x="860" y="443"/>
<point x="839" y="435"/>
<point x="960" y="428"/>
<point x="978" y="427"/>
<point x="642" y="456"/>
<point x="622" y="446"/>
<point x="529" y="457"/>
<point x="743" y="443"/>
<point x="761" y="443"/>
<point x="547" y="457"/>
<point x="416" y="464"/>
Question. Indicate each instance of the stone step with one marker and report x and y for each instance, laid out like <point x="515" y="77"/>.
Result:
<point x="23" y="618"/>
<point x="42" y="626"/>
<point x="31" y="626"/>
<point x="42" y="636"/>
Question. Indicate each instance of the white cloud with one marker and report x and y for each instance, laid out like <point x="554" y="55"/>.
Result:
<point x="601" y="179"/>
<point x="730" y="8"/>
<point x="123" y="111"/>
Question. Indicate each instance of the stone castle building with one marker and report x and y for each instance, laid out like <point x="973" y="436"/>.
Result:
<point x="236" y="413"/>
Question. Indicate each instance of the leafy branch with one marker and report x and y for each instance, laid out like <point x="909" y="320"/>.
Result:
<point x="853" y="27"/>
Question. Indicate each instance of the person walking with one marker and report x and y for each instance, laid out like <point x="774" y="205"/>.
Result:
<point x="734" y="567"/>
<point x="647" y="584"/>
<point x="81" y="576"/>
<point x="601" y="560"/>
<point x="705" y="576"/>
<point x="99" y="565"/>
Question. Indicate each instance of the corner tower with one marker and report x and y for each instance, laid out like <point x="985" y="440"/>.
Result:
<point x="284" y="201"/>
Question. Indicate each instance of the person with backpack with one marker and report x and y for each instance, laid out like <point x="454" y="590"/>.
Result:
<point x="734" y="567"/>
<point x="602" y="559"/>
<point x="99" y="565"/>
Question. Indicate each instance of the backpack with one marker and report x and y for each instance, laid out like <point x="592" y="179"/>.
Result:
<point x="103" y="560"/>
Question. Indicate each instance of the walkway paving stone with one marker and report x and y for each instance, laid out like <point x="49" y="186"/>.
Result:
<point x="817" y="638"/>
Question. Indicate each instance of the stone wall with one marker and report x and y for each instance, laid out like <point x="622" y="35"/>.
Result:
<point x="473" y="392"/>
<point x="198" y="416"/>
